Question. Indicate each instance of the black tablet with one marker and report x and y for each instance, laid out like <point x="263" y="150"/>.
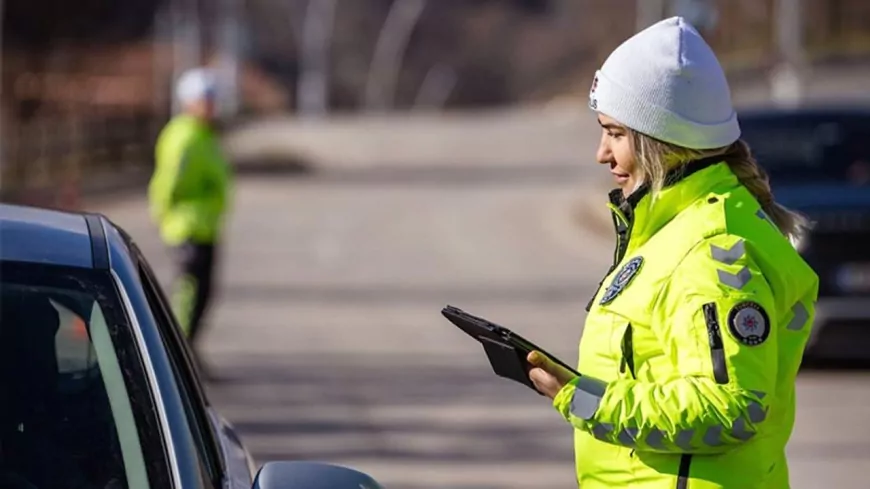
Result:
<point x="507" y="351"/>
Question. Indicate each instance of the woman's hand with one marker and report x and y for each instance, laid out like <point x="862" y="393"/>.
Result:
<point x="548" y="377"/>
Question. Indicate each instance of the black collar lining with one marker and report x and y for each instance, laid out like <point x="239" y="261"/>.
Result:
<point x="673" y="176"/>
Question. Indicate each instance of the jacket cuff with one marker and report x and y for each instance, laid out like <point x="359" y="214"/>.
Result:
<point x="562" y="401"/>
<point x="580" y="398"/>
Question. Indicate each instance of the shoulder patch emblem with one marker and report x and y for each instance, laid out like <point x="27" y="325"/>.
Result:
<point x="621" y="279"/>
<point x="749" y="323"/>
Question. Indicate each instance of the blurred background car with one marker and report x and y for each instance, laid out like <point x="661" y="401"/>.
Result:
<point x="818" y="160"/>
<point x="98" y="386"/>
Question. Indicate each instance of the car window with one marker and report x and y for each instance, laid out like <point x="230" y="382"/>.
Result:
<point x="74" y="400"/>
<point x="189" y="383"/>
<point x="810" y="149"/>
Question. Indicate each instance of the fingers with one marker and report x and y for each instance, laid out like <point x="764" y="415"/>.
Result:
<point x="540" y="361"/>
<point x="539" y="376"/>
<point x="545" y="383"/>
<point x="537" y="359"/>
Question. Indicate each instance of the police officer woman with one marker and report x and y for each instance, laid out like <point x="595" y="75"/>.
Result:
<point x="691" y="346"/>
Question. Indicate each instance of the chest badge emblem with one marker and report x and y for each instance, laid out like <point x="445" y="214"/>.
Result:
<point x="621" y="279"/>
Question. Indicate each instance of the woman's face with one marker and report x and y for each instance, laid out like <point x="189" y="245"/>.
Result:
<point x="615" y="150"/>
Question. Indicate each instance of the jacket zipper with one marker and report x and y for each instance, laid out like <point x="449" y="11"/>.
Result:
<point x="625" y="232"/>
<point x="714" y="336"/>
<point x="683" y="477"/>
<point x="627" y="352"/>
<point x="622" y="226"/>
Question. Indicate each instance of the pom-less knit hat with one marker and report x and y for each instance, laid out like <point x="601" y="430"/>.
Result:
<point x="196" y="84"/>
<point x="666" y="82"/>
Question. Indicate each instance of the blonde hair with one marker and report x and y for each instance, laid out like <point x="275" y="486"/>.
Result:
<point x="655" y="158"/>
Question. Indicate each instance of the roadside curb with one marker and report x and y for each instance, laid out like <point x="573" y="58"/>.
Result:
<point x="484" y="140"/>
<point x="111" y="186"/>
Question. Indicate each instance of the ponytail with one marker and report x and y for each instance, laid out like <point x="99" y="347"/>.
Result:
<point x="654" y="158"/>
<point x="739" y="158"/>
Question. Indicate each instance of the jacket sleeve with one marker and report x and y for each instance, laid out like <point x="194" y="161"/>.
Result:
<point x="714" y="319"/>
<point x="171" y="167"/>
<point x="221" y="181"/>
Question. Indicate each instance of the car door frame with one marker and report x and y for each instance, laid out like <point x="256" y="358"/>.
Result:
<point x="180" y="443"/>
<point x="186" y="374"/>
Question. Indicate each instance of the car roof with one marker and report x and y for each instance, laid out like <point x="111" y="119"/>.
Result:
<point x="37" y="235"/>
<point x="811" y="110"/>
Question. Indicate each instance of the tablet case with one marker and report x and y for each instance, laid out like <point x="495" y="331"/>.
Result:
<point x="507" y="362"/>
<point x="506" y="350"/>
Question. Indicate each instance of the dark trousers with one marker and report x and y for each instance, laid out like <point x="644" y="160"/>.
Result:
<point x="193" y="287"/>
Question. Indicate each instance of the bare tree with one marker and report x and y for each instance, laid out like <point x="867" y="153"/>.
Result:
<point x="787" y="79"/>
<point x="313" y="89"/>
<point x="230" y="15"/>
<point x="436" y="87"/>
<point x="295" y="11"/>
<point x="389" y="51"/>
<point x="186" y="39"/>
<point x="649" y="12"/>
<point x="2" y="106"/>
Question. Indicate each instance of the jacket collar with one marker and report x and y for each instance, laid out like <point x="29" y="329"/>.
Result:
<point x="684" y="185"/>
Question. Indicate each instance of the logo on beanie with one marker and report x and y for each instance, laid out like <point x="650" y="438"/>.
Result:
<point x="593" y="102"/>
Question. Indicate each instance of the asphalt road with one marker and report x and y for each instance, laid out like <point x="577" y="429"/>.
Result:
<point x="330" y="345"/>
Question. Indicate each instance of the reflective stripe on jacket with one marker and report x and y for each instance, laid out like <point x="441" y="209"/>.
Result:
<point x="189" y="189"/>
<point x="692" y="344"/>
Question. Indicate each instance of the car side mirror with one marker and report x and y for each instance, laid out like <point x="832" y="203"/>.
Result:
<point x="311" y="475"/>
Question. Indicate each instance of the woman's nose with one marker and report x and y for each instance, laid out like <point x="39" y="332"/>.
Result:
<point x="603" y="155"/>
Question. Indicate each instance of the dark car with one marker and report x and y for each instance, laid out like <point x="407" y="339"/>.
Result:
<point x="818" y="160"/>
<point x="97" y="387"/>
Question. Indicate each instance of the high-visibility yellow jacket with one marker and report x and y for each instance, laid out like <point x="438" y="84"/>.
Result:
<point x="190" y="187"/>
<point x="692" y="344"/>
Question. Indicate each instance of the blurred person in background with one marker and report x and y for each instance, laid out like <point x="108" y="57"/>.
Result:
<point x="689" y="355"/>
<point x="189" y="194"/>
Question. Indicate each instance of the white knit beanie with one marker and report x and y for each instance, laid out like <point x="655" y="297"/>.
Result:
<point x="666" y="82"/>
<point x="196" y="84"/>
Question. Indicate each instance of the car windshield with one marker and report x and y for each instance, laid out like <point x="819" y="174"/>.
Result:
<point x="811" y="149"/>
<point x="66" y="419"/>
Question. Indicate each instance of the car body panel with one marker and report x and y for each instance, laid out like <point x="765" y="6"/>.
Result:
<point x="823" y="197"/>
<point x="240" y="467"/>
<point x="44" y="236"/>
